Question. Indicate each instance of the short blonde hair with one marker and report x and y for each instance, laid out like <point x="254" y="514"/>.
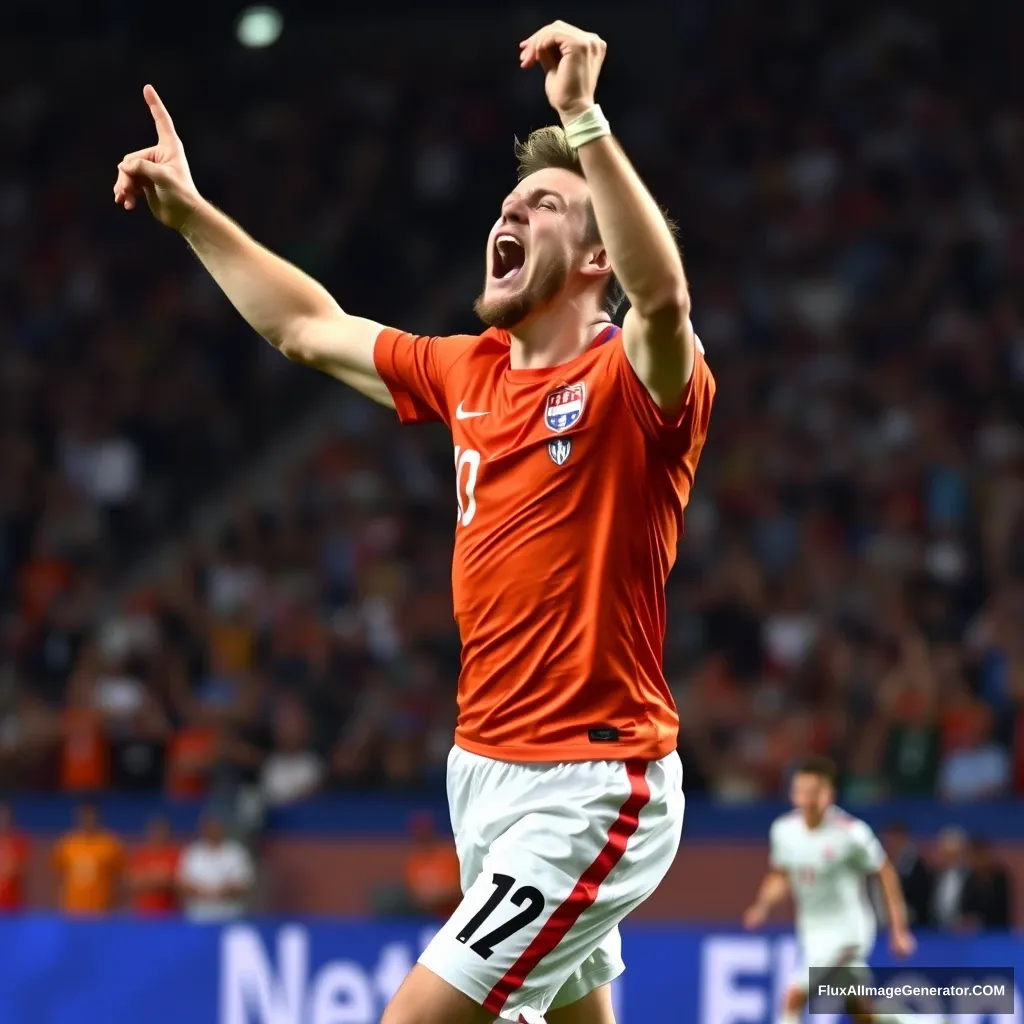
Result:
<point x="549" y="147"/>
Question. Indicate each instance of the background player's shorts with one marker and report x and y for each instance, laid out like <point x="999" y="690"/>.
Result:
<point x="845" y="965"/>
<point x="553" y="857"/>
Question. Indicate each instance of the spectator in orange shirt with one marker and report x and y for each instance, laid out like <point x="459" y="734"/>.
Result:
<point x="85" y="753"/>
<point x="41" y="578"/>
<point x="191" y="754"/>
<point x="84" y="761"/>
<point x="153" y="871"/>
<point x="432" y="882"/>
<point x="14" y="854"/>
<point x="89" y="862"/>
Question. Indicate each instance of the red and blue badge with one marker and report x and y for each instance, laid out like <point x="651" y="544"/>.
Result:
<point x="564" y="407"/>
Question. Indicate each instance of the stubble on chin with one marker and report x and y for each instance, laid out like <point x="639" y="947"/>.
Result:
<point x="508" y="311"/>
<point x="503" y="312"/>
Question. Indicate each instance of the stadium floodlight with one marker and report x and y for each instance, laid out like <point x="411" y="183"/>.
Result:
<point x="259" y="27"/>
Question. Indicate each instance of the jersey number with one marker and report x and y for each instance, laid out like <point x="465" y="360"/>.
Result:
<point x="467" y="464"/>
<point x="526" y="894"/>
<point x="806" y="876"/>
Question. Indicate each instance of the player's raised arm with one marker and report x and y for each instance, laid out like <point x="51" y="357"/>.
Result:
<point x="657" y="334"/>
<point x="287" y="307"/>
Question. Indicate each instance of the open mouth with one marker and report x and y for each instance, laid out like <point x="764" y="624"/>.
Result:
<point x="509" y="257"/>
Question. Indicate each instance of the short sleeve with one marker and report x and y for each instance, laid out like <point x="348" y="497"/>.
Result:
<point x="414" y="368"/>
<point x="683" y="433"/>
<point x="869" y="852"/>
<point x="776" y="853"/>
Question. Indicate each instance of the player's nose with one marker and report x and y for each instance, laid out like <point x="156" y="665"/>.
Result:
<point x="513" y="212"/>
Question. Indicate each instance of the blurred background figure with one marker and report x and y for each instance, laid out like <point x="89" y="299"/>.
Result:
<point x="986" y="903"/>
<point x="192" y="750"/>
<point x="15" y="850"/>
<point x="430" y="885"/>
<point x="243" y="741"/>
<point x="293" y="770"/>
<point x="153" y="872"/>
<point x="89" y="863"/>
<point x="216" y="875"/>
<point x="431" y="873"/>
<point x="979" y="769"/>
<point x="950" y="877"/>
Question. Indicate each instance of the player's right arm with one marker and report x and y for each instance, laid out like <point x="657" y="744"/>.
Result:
<point x="287" y="307"/>
<point x="284" y="305"/>
<point x="773" y="890"/>
<point x="775" y="886"/>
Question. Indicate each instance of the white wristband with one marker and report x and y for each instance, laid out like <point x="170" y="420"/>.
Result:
<point x="590" y="125"/>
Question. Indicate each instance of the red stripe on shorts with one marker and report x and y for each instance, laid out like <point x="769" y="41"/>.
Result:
<point x="584" y="892"/>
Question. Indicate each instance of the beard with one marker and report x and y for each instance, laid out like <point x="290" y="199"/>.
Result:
<point x="508" y="311"/>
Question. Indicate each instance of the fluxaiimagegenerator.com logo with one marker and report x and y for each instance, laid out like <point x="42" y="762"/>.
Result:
<point x="928" y="991"/>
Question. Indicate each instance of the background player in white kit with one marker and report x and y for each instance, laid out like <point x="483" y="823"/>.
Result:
<point x="824" y="857"/>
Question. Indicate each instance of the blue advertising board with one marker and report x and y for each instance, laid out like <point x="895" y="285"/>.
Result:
<point x="297" y="972"/>
<point x="382" y="815"/>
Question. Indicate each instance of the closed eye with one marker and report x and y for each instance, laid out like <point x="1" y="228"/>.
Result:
<point x="547" y="205"/>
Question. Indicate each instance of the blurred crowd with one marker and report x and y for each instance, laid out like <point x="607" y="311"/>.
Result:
<point x="852" y="576"/>
<point x="94" y="872"/>
<point x="959" y="887"/>
<point x="91" y="871"/>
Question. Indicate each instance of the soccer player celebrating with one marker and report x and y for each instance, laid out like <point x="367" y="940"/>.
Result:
<point x="823" y="856"/>
<point x="575" y="450"/>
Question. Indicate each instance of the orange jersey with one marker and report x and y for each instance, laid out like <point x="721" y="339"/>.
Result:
<point x="85" y="757"/>
<point x="571" y="485"/>
<point x="154" y="872"/>
<point x="432" y="876"/>
<point x="89" y="865"/>
<point x="14" y="855"/>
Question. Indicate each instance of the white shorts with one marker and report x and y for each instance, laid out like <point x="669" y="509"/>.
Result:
<point x="840" y="964"/>
<point x="553" y="857"/>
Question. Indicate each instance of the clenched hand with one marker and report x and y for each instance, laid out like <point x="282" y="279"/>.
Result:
<point x="571" y="59"/>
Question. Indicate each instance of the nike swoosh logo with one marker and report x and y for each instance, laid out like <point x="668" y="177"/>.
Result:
<point x="463" y="414"/>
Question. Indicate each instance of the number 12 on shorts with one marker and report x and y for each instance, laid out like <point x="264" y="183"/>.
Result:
<point x="525" y="896"/>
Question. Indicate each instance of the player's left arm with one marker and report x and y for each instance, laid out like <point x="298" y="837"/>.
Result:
<point x="657" y="335"/>
<point x="892" y="894"/>
<point x="873" y="859"/>
<point x="900" y="937"/>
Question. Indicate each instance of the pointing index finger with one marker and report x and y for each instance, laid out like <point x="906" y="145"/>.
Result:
<point x="162" y="120"/>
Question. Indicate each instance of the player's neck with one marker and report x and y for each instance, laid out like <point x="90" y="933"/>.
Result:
<point x="812" y="819"/>
<point x="554" y="337"/>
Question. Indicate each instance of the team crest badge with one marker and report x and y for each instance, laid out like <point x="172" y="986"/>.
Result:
<point x="564" y="407"/>
<point x="559" y="450"/>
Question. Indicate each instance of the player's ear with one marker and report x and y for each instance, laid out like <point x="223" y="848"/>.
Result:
<point x="597" y="264"/>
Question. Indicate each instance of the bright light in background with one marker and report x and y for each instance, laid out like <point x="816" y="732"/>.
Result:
<point x="259" y="27"/>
